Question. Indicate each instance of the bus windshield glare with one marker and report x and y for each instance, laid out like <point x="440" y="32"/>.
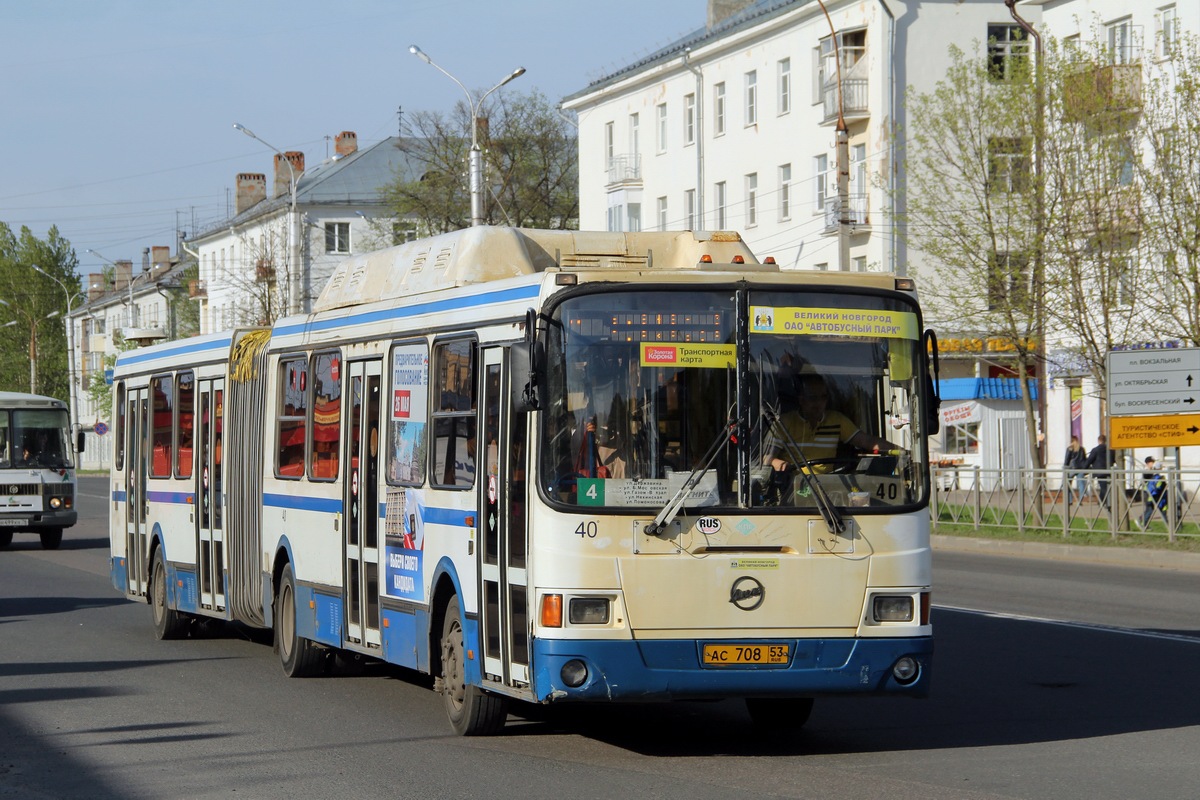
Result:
<point x="646" y="389"/>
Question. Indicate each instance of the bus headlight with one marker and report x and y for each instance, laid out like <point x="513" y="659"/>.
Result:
<point x="56" y="503"/>
<point x="588" y="611"/>
<point x="888" y="608"/>
<point x="906" y="670"/>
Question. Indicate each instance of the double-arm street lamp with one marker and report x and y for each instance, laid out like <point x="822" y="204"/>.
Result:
<point x="71" y="298"/>
<point x="33" y="321"/>
<point x="475" y="164"/>
<point x="299" y="300"/>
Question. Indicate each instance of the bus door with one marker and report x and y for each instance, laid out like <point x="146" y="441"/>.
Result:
<point x="361" y="501"/>
<point x="137" y="434"/>
<point x="505" y="602"/>
<point x="209" y="536"/>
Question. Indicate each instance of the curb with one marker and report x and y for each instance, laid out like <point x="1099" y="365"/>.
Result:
<point x="1115" y="556"/>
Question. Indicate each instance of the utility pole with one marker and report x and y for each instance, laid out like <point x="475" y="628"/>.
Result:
<point x="843" y="156"/>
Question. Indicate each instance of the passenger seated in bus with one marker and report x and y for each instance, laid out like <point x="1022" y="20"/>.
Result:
<point x="816" y="431"/>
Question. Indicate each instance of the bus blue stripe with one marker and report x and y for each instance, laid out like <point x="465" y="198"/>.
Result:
<point x="184" y="348"/>
<point x="178" y="498"/>
<point x="448" y="516"/>
<point x="431" y="307"/>
<point x="328" y="505"/>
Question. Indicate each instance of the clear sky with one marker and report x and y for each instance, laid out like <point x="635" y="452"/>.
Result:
<point x="116" y="116"/>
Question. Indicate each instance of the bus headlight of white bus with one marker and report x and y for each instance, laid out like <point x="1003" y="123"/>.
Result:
<point x="56" y="503"/>
<point x="892" y="608"/>
<point x="588" y="611"/>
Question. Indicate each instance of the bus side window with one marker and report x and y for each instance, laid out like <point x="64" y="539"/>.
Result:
<point x="454" y="414"/>
<point x="119" y="433"/>
<point x="327" y="415"/>
<point x="292" y="417"/>
<point x="185" y="406"/>
<point x="162" y="426"/>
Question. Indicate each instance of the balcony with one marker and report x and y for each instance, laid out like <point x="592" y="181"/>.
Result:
<point x="264" y="270"/>
<point x="858" y="211"/>
<point x="197" y="290"/>
<point x="1109" y="93"/>
<point x="625" y="170"/>
<point x="855" y="100"/>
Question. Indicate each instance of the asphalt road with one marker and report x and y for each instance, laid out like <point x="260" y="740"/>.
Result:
<point x="1052" y="680"/>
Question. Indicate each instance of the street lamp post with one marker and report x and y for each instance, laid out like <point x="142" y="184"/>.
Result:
<point x="33" y="321"/>
<point x="71" y="298"/>
<point x="475" y="163"/>
<point x="296" y="302"/>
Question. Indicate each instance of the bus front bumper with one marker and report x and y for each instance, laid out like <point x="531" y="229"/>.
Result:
<point x="632" y="671"/>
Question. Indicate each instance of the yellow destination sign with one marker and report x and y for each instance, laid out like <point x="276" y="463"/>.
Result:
<point x="1168" y="430"/>
<point x="667" y="354"/>
<point x="856" y="322"/>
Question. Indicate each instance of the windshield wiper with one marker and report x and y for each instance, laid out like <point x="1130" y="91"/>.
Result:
<point x="673" y="506"/>
<point x="833" y="518"/>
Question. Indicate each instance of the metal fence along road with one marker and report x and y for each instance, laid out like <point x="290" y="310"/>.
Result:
<point x="1071" y="502"/>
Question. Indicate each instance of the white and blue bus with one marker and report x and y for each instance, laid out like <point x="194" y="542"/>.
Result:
<point x="37" y="468"/>
<point x="550" y="467"/>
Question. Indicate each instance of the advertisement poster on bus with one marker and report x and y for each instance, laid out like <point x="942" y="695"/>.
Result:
<point x="404" y="540"/>
<point x="410" y="410"/>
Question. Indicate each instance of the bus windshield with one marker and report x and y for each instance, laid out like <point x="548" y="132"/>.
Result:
<point x="35" y="437"/>
<point x="647" y="390"/>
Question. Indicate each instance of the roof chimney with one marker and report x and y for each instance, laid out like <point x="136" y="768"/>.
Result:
<point x="283" y="176"/>
<point x="251" y="189"/>
<point x="95" y="285"/>
<point x="345" y="143"/>
<point x="160" y="258"/>
<point x="123" y="273"/>
<point x="721" y="10"/>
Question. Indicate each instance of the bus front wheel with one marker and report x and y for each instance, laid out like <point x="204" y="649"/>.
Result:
<point x="51" y="538"/>
<point x="6" y="535"/>
<point x="168" y="623"/>
<point x="300" y="657"/>
<point x="472" y="711"/>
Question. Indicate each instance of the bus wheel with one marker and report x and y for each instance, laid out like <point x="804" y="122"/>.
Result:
<point x="472" y="711"/>
<point x="168" y="623"/>
<point x="51" y="538"/>
<point x="779" y="714"/>
<point x="300" y="657"/>
<point x="5" y="537"/>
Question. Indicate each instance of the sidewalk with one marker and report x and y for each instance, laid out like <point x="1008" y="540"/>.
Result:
<point x="1116" y="556"/>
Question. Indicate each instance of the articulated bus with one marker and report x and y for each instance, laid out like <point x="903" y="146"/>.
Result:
<point x="550" y="467"/>
<point x="37" y="468"/>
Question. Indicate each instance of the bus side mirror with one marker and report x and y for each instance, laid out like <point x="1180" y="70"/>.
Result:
<point x="79" y="440"/>
<point x="525" y="361"/>
<point x="933" y="406"/>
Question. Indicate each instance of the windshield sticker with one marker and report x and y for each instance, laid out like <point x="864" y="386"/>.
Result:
<point x="650" y="492"/>
<point x="713" y="356"/>
<point x="859" y="322"/>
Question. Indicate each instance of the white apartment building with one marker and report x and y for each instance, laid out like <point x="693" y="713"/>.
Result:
<point x="273" y="257"/>
<point x="1135" y="33"/>
<point x="734" y="126"/>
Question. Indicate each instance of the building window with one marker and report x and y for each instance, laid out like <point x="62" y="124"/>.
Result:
<point x="1168" y="30"/>
<point x="634" y="143"/>
<point x="337" y="237"/>
<point x="752" y="98"/>
<point x="859" y="263"/>
<point x="1009" y="165"/>
<point x="820" y="178"/>
<point x="1122" y="42"/>
<point x="785" y="192"/>
<point x="822" y="267"/>
<point x="689" y="206"/>
<point x="404" y="231"/>
<point x="689" y="119"/>
<point x="633" y="217"/>
<point x="719" y="202"/>
<point x="1008" y="281"/>
<point x="785" y="85"/>
<point x="661" y="142"/>
<point x="1123" y="280"/>
<point x="719" y="109"/>
<point x="818" y="75"/>
<point x="752" y="199"/>
<point x="1008" y="52"/>
<point x="661" y="213"/>
<point x="609" y="145"/>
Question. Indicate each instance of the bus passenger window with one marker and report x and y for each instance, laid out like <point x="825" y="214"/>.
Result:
<point x="162" y="426"/>
<point x="292" y="418"/>
<point x="454" y="415"/>
<point x="327" y="415"/>
<point x="186" y="403"/>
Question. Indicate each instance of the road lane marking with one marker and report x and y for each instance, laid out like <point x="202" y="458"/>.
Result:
<point x="1089" y="626"/>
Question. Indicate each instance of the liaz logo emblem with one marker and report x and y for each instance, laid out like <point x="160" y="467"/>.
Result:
<point x="747" y="593"/>
<point x="708" y="525"/>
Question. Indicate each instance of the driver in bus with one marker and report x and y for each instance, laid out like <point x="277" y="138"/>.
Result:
<point x="816" y="431"/>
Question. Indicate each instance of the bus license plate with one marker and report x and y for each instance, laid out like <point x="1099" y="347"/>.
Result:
<point x="12" y="523"/>
<point x="736" y="654"/>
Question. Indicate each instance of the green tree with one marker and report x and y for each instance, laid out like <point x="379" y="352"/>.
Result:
<point x="530" y="167"/>
<point x="33" y="316"/>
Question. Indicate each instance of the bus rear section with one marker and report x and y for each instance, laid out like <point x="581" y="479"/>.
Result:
<point x="37" y="468"/>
